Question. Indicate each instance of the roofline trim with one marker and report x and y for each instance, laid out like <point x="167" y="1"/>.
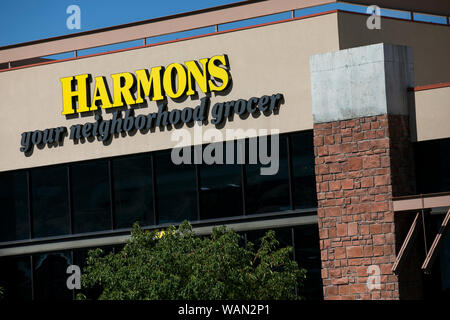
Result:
<point x="171" y="41"/>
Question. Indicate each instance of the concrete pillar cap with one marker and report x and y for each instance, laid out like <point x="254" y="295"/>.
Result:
<point x="360" y="82"/>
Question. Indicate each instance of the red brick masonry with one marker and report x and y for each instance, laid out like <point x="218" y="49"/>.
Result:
<point x="357" y="162"/>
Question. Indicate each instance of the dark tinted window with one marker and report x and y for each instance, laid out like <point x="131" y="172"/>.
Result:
<point x="15" y="278"/>
<point x="91" y="197"/>
<point x="50" y="276"/>
<point x="13" y="203"/>
<point x="133" y="194"/>
<point x="444" y="264"/>
<point x="307" y="254"/>
<point x="303" y="170"/>
<point x="441" y="269"/>
<point x="50" y="207"/>
<point x="176" y="189"/>
<point x="433" y="166"/>
<point x="267" y="193"/>
<point x="220" y="186"/>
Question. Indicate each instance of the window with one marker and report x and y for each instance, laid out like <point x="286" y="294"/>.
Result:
<point x="176" y="189"/>
<point x="15" y="277"/>
<point x="91" y="196"/>
<point x="109" y="194"/>
<point x="267" y="193"/>
<point x="49" y="200"/>
<point x="49" y="278"/>
<point x="442" y="263"/>
<point x="133" y="191"/>
<point x="14" y="223"/>
<point x="432" y="166"/>
<point x="307" y="254"/>
<point x="304" y="179"/>
<point x="220" y="187"/>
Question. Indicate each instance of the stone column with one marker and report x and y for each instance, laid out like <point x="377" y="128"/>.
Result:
<point x="362" y="159"/>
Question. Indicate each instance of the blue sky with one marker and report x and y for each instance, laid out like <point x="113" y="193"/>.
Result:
<point x="22" y="21"/>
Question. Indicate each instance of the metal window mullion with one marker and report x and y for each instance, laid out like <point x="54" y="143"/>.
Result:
<point x="293" y="243"/>
<point x="254" y="218"/>
<point x="99" y="239"/>
<point x="243" y="173"/>
<point x="32" y="276"/>
<point x="72" y="262"/>
<point x="154" y="190"/>
<point x="290" y="172"/>
<point x="70" y="198"/>
<point x="111" y="194"/>
<point x="245" y="239"/>
<point x="293" y="255"/>
<point x="197" y="184"/>
<point x="30" y="210"/>
<point x="243" y="188"/>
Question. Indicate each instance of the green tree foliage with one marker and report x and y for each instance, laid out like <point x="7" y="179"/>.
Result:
<point x="182" y="265"/>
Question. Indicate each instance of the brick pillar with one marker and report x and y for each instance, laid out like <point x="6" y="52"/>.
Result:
<point x="362" y="158"/>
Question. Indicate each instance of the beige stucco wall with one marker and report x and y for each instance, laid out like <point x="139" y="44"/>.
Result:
<point x="430" y="43"/>
<point x="433" y="113"/>
<point x="264" y="61"/>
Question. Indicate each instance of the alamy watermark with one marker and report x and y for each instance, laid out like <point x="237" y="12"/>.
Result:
<point x="74" y="20"/>
<point x="74" y="280"/>
<point x="221" y="148"/>
<point x="374" y="278"/>
<point x="374" y="21"/>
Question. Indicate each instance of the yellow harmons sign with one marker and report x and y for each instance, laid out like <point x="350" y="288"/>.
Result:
<point x="174" y="81"/>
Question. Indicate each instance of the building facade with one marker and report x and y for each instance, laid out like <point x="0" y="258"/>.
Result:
<point x="353" y="118"/>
